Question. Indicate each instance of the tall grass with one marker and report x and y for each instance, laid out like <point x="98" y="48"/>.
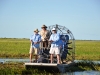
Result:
<point x="19" y="48"/>
<point x="88" y="50"/>
<point x="14" y="48"/>
<point x="19" y="69"/>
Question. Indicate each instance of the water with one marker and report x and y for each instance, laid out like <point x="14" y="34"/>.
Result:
<point x="83" y="73"/>
<point x="87" y="61"/>
<point x="4" y="60"/>
<point x="7" y="60"/>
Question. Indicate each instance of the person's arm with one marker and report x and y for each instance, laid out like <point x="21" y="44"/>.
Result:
<point x="31" y="40"/>
<point x="50" y="39"/>
<point x="57" y="38"/>
<point x="39" y="39"/>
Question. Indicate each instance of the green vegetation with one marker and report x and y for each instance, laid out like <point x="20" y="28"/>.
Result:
<point x="88" y="50"/>
<point x="19" y="48"/>
<point x="18" y="69"/>
<point x="14" y="48"/>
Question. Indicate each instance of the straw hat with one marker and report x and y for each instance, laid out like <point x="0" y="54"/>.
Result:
<point x="36" y="30"/>
<point x="44" y="26"/>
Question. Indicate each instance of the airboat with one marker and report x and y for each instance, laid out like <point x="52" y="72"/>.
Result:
<point x="67" y="53"/>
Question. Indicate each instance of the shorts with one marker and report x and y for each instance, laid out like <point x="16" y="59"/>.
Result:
<point x="34" y="50"/>
<point x="54" y="50"/>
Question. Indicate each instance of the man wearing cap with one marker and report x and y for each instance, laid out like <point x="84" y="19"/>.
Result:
<point x="35" y="40"/>
<point x="54" y="39"/>
<point x="45" y="34"/>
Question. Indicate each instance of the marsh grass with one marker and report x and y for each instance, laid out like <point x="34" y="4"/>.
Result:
<point x="88" y="65"/>
<point x="19" y="69"/>
<point x="88" y="50"/>
<point x="19" y="48"/>
<point x="11" y="68"/>
<point x="14" y="48"/>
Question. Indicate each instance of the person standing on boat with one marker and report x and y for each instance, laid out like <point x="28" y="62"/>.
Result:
<point x="45" y="34"/>
<point x="35" y="40"/>
<point x="55" y="48"/>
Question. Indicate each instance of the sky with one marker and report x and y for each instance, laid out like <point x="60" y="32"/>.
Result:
<point x="19" y="18"/>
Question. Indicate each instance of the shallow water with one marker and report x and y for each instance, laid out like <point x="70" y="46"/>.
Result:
<point x="4" y="60"/>
<point x="83" y="73"/>
<point x="87" y="61"/>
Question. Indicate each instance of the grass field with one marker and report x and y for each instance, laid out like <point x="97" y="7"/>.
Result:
<point x="19" y="48"/>
<point x="18" y="69"/>
<point x="13" y="48"/>
<point x="88" y="50"/>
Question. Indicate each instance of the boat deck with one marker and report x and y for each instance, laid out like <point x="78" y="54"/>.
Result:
<point x="50" y="67"/>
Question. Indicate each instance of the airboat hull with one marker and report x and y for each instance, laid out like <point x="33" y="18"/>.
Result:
<point x="49" y="67"/>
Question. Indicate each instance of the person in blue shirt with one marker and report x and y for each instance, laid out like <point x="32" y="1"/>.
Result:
<point x="35" y="40"/>
<point x="54" y="39"/>
<point x="62" y="42"/>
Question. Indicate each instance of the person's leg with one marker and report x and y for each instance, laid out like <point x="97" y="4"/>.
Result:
<point x="36" y="53"/>
<point x="36" y="57"/>
<point x="58" y="58"/>
<point x="31" y="57"/>
<point x="51" y="58"/>
<point x="43" y="43"/>
<point x="57" y="52"/>
<point x="46" y="43"/>
<point x="31" y="53"/>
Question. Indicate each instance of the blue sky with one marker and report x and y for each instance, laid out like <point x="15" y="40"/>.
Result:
<point x="18" y="18"/>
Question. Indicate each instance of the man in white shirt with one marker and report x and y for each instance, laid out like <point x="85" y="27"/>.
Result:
<point x="55" y="46"/>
